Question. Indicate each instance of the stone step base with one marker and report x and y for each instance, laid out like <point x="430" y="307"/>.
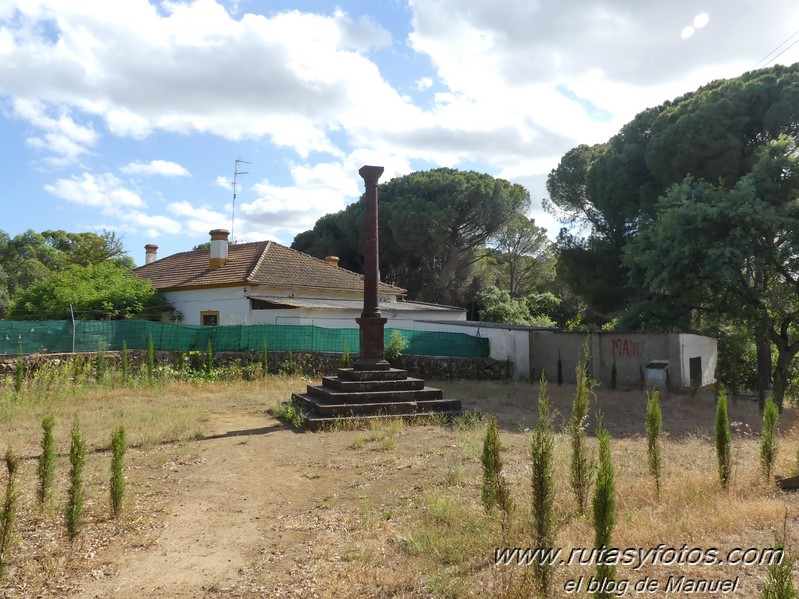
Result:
<point x="311" y="405"/>
<point x="374" y="395"/>
<point x="350" y="386"/>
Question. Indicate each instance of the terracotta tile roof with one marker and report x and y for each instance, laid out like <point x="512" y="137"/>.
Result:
<point x="259" y="263"/>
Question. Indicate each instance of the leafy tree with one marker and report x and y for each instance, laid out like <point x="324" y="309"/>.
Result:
<point x="433" y="229"/>
<point x="733" y="252"/>
<point x="606" y="193"/>
<point x="525" y="253"/>
<point x="98" y="291"/>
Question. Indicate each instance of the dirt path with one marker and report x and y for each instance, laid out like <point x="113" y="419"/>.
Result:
<point x="254" y="515"/>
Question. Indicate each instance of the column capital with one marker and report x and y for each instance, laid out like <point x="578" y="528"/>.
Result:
<point x="371" y="174"/>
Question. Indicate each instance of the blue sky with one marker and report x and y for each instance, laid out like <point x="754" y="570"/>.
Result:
<point x="128" y="115"/>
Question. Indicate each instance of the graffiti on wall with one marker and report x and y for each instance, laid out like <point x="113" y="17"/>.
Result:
<point x="625" y="347"/>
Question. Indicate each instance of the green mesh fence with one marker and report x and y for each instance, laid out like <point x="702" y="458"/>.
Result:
<point x="59" y="336"/>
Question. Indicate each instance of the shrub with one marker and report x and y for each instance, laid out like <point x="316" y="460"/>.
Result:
<point x="150" y="358"/>
<point x="492" y="466"/>
<point x="582" y="465"/>
<point x="101" y="365"/>
<point x="45" y="470"/>
<point x="395" y="347"/>
<point x="604" y="507"/>
<point x="209" y="358"/>
<point x="9" y="509"/>
<point x="77" y="459"/>
<point x="768" y="436"/>
<point x="345" y="356"/>
<point x="654" y="426"/>
<point x="723" y="439"/>
<point x="19" y="371"/>
<point x="779" y="577"/>
<point x="117" y="485"/>
<point x="125" y="365"/>
<point x="542" y="451"/>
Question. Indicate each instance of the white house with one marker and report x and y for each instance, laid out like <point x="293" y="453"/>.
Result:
<point x="267" y="283"/>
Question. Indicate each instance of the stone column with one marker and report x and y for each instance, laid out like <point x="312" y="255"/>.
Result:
<point x="371" y="322"/>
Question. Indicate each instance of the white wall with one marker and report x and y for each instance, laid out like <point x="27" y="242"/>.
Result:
<point x="233" y="307"/>
<point x="698" y="346"/>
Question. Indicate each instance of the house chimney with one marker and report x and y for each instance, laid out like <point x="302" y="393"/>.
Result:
<point x="218" y="247"/>
<point x="332" y="260"/>
<point x="150" y="253"/>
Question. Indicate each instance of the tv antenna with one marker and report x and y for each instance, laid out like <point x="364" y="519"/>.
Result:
<point x="236" y="173"/>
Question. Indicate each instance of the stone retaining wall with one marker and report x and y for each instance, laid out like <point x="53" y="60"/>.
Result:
<point x="311" y="364"/>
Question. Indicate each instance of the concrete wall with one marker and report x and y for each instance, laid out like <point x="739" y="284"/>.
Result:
<point x="631" y="352"/>
<point x="233" y="307"/>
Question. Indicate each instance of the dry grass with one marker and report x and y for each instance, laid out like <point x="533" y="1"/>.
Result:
<point x="413" y="525"/>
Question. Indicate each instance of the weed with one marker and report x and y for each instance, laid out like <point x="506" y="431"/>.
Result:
<point x="779" y="578"/>
<point x="19" y="371"/>
<point x="288" y="412"/>
<point x="395" y="347"/>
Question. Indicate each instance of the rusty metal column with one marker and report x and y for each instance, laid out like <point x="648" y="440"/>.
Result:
<point x="371" y="321"/>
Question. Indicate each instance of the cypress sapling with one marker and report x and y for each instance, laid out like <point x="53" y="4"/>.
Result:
<point x="117" y="485"/>
<point x="723" y="439"/>
<point x="77" y="458"/>
<point x="768" y="436"/>
<point x="654" y="426"/>
<point x="9" y="509"/>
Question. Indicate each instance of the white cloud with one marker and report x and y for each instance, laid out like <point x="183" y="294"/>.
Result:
<point x="423" y="84"/>
<point x="316" y="190"/>
<point x="200" y="219"/>
<point x="156" y="167"/>
<point x="102" y="191"/>
<point x="61" y="134"/>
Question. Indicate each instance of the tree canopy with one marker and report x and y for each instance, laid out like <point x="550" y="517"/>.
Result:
<point x="96" y="291"/>
<point x="433" y="228"/>
<point x="605" y="193"/>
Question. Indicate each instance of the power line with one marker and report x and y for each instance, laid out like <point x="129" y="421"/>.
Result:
<point x="790" y="37"/>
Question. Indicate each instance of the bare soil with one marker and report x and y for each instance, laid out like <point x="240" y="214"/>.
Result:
<point x="256" y="509"/>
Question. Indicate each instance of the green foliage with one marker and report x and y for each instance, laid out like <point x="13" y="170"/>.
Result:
<point x="395" y="347"/>
<point x="265" y="360"/>
<point x="768" y="436"/>
<point x="19" y="371"/>
<point x="525" y="254"/>
<point x="124" y="363"/>
<point x="288" y="412"/>
<point x="495" y="490"/>
<point x="433" y="229"/>
<point x="723" y="439"/>
<point x="611" y="190"/>
<point x="45" y="469"/>
<point x="9" y="509"/>
<point x="542" y="452"/>
<point x="150" y="363"/>
<point x="73" y="514"/>
<point x="209" y="357"/>
<point x="604" y="506"/>
<point x="779" y="577"/>
<point x="654" y="426"/>
<point x="101" y="365"/>
<point x="117" y="484"/>
<point x="96" y="291"/>
<point x="582" y="465"/>
<point x="345" y="356"/>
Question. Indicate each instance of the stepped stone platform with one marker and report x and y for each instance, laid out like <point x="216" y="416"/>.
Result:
<point x="364" y="395"/>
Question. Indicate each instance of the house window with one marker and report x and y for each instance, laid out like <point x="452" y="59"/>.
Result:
<point x="209" y="318"/>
